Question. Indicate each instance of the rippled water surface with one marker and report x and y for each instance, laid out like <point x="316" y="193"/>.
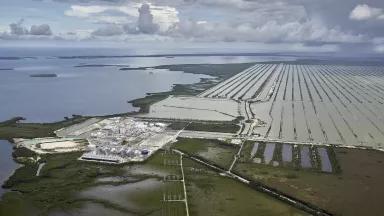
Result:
<point x="97" y="90"/>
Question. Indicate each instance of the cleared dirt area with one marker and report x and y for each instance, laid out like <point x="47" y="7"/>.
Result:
<point x="356" y="190"/>
<point x="194" y="108"/>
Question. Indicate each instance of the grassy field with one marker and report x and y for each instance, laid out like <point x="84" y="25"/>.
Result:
<point x="218" y="152"/>
<point x="212" y="194"/>
<point x="356" y="189"/>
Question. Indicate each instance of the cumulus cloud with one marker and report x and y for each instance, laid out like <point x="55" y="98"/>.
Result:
<point x="163" y="16"/>
<point x="19" y="31"/>
<point x="18" y="28"/>
<point x="365" y="12"/>
<point x="262" y="21"/>
<point x="325" y="23"/>
<point x="108" y="30"/>
<point x="145" y="22"/>
<point x="43" y="29"/>
<point x="379" y="48"/>
<point x="272" y="31"/>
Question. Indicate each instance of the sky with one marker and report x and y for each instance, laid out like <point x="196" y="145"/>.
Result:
<point x="349" y="26"/>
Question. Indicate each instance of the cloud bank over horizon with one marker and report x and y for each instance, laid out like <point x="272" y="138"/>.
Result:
<point x="329" y="25"/>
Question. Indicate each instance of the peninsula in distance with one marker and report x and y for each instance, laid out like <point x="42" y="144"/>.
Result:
<point x="191" y="108"/>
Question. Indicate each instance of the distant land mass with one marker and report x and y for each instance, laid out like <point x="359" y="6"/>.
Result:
<point x="101" y="65"/>
<point x="43" y="75"/>
<point x="15" y="58"/>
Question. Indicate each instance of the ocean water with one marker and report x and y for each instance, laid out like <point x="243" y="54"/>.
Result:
<point x="96" y="90"/>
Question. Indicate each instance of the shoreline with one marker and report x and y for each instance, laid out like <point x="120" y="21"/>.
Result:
<point x="16" y="123"/>
<point x="143" y="105"/>
<point x="18" y="165"/>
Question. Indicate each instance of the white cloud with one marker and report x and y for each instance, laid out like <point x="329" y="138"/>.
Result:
<point x="365" y="12"/>
<point x="145" y="22"/>
<point x="272" y="31"/>
<point x="109" y="30"/>
<point x="379" y="48"/>
<point x="75" y="35"/>
<point x="43" y="29"/>
<point x="256" y="21"/>
<point x="163" y="16"/>
<point x="18" y="28"/>
<point x="378" y="44"/>
<point x="233" y="21"/>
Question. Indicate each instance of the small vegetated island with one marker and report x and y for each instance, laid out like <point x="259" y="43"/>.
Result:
<point x="44" y="75"/>
<point x="271" y="138"/>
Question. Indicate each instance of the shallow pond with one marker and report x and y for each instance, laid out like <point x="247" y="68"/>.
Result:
<point x="305" y="157"/>
<point x="268" y="153"/>
<point x="142" y="196"/>
<point x="325" y="163"/>
<point x="287" y="152"/>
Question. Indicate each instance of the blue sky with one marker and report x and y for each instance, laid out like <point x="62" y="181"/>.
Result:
<point x="271" y="25"/>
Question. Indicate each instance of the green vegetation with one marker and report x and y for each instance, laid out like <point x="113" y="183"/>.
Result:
<point x="63" y="177"/>
<point x="12" y="203"/>
<point x="329" y="191"/>
<point x="219" y="70"/>
<point x="212" y="194"/>
<point x="296" y="157"/>
<point x="173" y="208"/>
<point x="223" y="127"/>
<point x="277" y="154"/>
<point x="13" y="128"/>
<point x="218" y="152"/>
<point x="260" y="151"/>
<point x="178" y="89"/>
<point x="333" y="159"/>
<point x="145" y="102"/>
<point x="23" y="152"/>
<point x="245" y="154"/>
<point x="315" y="158"/>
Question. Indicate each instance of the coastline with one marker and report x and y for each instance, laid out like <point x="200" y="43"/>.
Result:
<point x="13" y="170"/>
<point x="16" y="128"/>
